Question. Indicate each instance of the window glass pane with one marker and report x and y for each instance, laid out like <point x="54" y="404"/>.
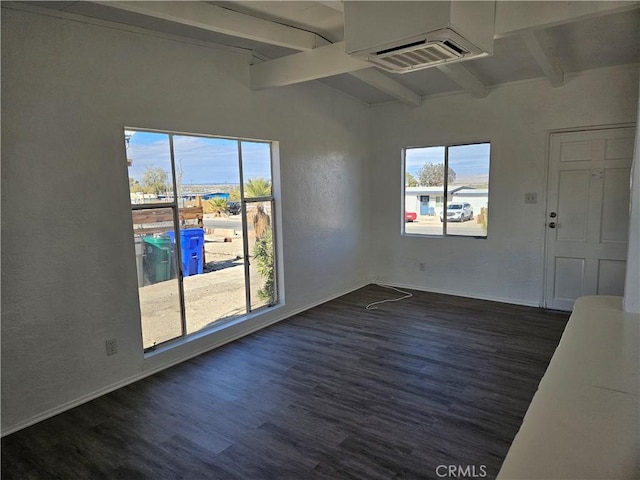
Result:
<point x="214" y="285"/>
<point x="256" y="169"/>
<point x="261" y="254"/>
<point x="157" y="275"/>
<point x="207" y="168"/>
<point x="467" y="208"/>
<point x="149" y="161"/>
<point x="424" y="190"/>
<point x="208" y="176"/>
<point x="207" y="254"/>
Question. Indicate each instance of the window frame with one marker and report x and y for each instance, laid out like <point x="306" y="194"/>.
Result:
<point x="174" y="205"/>
<point x="445" y="195"/>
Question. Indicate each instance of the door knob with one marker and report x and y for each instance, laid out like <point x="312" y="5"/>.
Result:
<point x="552" y="225"/>
<point x="553" y="214"/>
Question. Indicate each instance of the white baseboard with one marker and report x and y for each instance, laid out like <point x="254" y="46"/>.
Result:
<point x="422" y="288"/>
<point x="222" y="339"/>
<point x="219" y="341"/>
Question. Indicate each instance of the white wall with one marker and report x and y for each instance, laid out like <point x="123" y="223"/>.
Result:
<point x="68" y="270"/>
<point x="516" y="119"/>
<point x="632" y="283"/>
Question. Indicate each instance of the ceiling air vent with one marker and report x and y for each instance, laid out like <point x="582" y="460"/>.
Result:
<point x="404" y="36"/>
<point x="416" y="55"/>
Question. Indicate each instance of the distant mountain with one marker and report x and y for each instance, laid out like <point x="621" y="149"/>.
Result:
<point x="208" y="187"/>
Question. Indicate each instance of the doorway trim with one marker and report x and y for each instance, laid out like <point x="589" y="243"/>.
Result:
<point x="547" y="192"/>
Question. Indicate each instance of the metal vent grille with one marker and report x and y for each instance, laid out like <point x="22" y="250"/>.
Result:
<point x="417" y="55"/>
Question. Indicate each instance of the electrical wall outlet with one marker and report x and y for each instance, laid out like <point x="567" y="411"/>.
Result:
<point x="111" y="346"/>
<point x="531" y="198"/>
<point x="422" y="267"/>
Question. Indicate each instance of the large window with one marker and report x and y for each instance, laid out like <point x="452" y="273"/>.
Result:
<point x="203" y="228"/>
<point x="446" y="190"/>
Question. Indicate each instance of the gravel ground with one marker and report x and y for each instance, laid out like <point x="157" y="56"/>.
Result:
<point x="212" y="296"/>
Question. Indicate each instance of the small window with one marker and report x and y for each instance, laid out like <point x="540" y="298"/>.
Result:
<point x="446" y="190"/>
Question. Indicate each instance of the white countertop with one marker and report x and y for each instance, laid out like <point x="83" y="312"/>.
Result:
<point x="583" y="421"/>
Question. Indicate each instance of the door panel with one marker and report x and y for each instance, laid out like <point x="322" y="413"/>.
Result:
<point x="575" y="151"/>
<point x="424" y="204"/>
<point x="569" y="276"/>
<point x="611" y="275"/>
<point x="619" y="148"/>
<point x="615" y="206"/>
<point x="588" y="217"/>
<point x="572" y="202"/>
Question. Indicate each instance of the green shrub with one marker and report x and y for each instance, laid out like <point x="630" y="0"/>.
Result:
<point x="218" y="206"/>
<point x="263" y="253"/>
<point x="485" y="219"/>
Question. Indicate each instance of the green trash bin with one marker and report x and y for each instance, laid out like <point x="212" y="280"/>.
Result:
<point x="158" y="259"/>
<point x="139" y="244"/>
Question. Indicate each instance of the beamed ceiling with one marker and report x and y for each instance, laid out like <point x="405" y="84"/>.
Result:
<point x="300" y="41"/>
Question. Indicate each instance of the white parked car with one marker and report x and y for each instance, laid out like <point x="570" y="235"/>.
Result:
<point x="458" y="212"/>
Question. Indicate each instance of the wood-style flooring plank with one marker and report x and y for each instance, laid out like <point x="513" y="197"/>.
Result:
<point x="336" y="392"/>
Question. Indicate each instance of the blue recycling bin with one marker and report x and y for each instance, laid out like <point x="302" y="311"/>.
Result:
<point x="191" y="243"/>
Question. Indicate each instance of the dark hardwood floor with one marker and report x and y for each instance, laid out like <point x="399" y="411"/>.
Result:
<point x="337" y="392"/>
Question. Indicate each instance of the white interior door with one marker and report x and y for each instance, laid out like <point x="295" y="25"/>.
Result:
<point x="588" y="214"/>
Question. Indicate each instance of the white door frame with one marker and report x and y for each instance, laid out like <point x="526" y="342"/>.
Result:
<point x="545" y="274"/>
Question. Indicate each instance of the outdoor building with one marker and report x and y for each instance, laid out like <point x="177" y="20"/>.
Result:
<point x="428" y="201"/>
<point x="425" y="201"/>
<point x="140" y="197"/>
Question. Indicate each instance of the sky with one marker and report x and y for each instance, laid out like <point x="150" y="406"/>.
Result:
<point x="203" y="160"/>
<point x="468" y="161"/>
<point x="207" y="160"/>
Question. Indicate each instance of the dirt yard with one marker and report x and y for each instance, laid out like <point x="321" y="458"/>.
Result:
<point x="213" y="296"/>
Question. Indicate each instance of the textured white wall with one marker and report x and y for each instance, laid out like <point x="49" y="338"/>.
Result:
<point x="517" y="118"/>
<point x="632" y="283"/>
<point x="68" y="271"/>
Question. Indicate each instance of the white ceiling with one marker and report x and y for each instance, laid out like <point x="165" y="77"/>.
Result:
<point x="532" y="40"/>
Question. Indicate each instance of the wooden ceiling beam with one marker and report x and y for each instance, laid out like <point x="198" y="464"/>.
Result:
<point x="222" y="20"/>
<point x="463" y="77"/>
<point x="538" y="45"/>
